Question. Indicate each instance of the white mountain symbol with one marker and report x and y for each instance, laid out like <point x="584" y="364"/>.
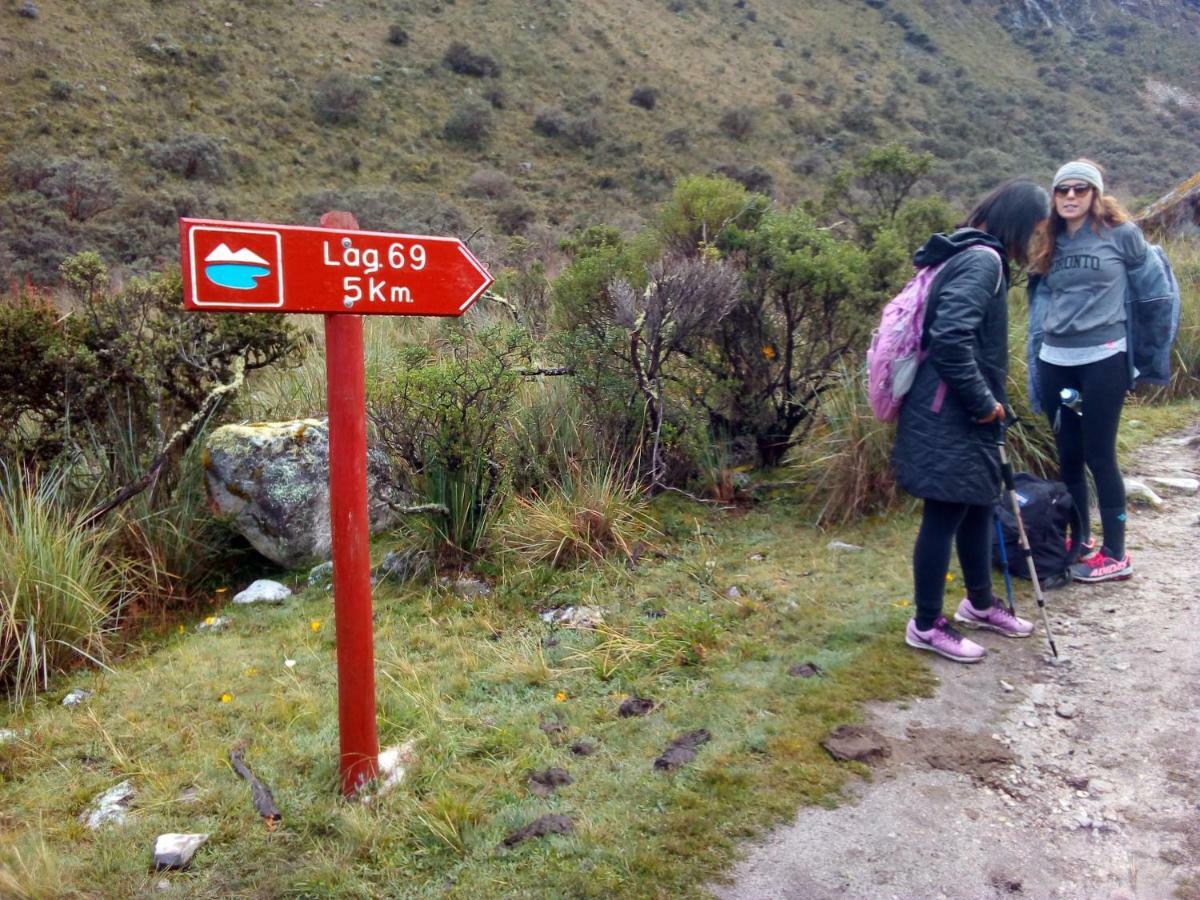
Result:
<point x="224" y="255"/>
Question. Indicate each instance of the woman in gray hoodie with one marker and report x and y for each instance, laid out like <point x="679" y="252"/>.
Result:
<point x="1084" y="264"/>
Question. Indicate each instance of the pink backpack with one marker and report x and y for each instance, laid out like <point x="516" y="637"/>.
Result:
<point x="895" y="351"/>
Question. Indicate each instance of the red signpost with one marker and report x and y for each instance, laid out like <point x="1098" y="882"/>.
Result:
<point x="342" y="272"/>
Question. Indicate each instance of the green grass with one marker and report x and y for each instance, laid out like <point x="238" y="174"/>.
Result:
<point x="470" y="683"/>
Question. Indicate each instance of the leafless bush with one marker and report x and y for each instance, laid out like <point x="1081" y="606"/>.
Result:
<point x="644" y="96"/>
<point x="491" y="184"/>
<point x="737" y="123"/>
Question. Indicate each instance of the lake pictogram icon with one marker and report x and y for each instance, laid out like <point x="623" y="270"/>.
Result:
<point x="235" y="269"/>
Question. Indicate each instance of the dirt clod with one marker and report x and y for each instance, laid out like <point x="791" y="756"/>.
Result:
<point x="805" y="670"/>
<point x="859" y="743"/>
<point x="682" y="750"/>
<point x="979" y="756"/>
<point x="544" y="783"/>
<point x="635" y="706"/>
<point x="583" y="748"/>
<point x="549" y="824"/>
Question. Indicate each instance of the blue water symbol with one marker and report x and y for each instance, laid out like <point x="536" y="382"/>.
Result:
<point x="239" y="276"/>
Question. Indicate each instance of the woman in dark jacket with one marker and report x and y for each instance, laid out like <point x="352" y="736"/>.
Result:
<point x="945" y="450"/>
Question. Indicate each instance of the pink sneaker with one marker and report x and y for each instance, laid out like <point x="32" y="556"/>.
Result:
<point x="1102" y="567"/>
<point x="1086" y="548"/>
<point x="943" y="640"/>
<point x="995" y="618"/>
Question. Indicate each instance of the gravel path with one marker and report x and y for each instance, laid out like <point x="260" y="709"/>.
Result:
<point x="1025" y="779"/>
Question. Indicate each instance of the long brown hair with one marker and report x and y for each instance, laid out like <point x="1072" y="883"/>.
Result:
<point x="1105" y="209"/>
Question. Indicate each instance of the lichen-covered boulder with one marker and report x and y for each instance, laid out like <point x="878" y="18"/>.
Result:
<point x="271" y="479"/>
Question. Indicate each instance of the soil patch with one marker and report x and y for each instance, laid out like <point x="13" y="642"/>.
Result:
<point x="858" y="743"/>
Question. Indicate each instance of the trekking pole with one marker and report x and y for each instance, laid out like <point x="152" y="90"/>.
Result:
<point x="1008" y="590"/>
<point x="1006" y="472"/>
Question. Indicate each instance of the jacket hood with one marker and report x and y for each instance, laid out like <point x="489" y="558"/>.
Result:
<point x="941" y="247"/>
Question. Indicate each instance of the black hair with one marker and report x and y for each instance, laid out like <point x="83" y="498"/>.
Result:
<point x="1011" y="214"/>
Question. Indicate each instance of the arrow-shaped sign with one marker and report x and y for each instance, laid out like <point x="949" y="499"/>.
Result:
<point x="254" y="267"/>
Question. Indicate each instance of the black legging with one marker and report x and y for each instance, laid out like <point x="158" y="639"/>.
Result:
<point x="1090" y="438"/>
<point x="970" y="528"/>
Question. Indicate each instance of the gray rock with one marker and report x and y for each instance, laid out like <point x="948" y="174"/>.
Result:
<point x="1140" y="491"/>
<point x="7" y="735"/>
<point x="470" y="588"/>
<point x="110" y="807"/>
<point x="263" y="591"/>
<point x="75" y="696"/>
<point x="175" y="851"/>
<point x="404" y="565"/>
<point x="574" y="616"/>
<point x="1178" y="485"/>
<point x="1066" y="710"/>
<point x="28" y="10"/>
<point x="272" y="481"/>
<point x="214" y="623"/>
<point x="732" y="593"/>
<point x="321" y="575"/>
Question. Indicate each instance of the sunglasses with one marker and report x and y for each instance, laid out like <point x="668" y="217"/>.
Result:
<point x="1065" y="190"/>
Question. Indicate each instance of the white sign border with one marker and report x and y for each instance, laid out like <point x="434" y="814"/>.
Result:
<point x="233" y="304"/>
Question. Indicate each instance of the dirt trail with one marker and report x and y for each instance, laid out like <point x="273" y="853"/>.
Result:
<point x="1103" y="799"/>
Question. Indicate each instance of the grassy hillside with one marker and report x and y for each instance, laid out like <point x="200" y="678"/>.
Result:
<point x="116" y="117"/>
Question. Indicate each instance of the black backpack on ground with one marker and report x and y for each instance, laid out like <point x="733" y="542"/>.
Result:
<point x="1046" y="510"/>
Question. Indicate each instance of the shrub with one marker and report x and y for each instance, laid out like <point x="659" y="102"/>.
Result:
<point x="339" y="99"/>
<point x="550" y="121"/>
<point x="701" y="209"/>
<point x="189" y="155"/>
<point x="677" y="138"/>
<point x="495" y="97"/>
<point x="583" y="130"/>
<point x="443" y="423"/>
<point x="60" y="90"/>
<point x="491" y="184"/>
<point x="59" y="592"/>
<point x="644" y="96"/>
<point x="753" y="178"/>
<point x="462" y="59"/>
<point x="397" y="35"/>
<point x="785" y="100"/>
<point x="737" y="123"/>
<point x="514" y="216"/>
<point x="469" y="123"/>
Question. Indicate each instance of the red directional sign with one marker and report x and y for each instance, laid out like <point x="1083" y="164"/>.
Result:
<point x="251" y="267"/>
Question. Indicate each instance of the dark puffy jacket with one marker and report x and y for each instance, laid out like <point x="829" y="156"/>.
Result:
<point x="940" y="452"/>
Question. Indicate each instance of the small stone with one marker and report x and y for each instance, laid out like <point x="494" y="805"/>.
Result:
<point x="733" y="593"/>
<point x="1037" y="693"/>
<point x="470" y="588"/>
<point x="1137" y="490"/>
<point x="28" y="10"/>
<point x="1008" y="688"/>
<point x="1079" y="782"/>
<point x="1083" y="820"/>
<point x="109" y="808"/>
<point x="394" y="764"/>
<point x="552" y="727"/>
<point x="1121" y="666"/>
<point x="321" y="575"/>
<point x="264" y="590"/>
<point x="1030" y="723"/>
<point x="1101" y="787"/>
<point x="175" y="851"/>
<point x="1066" y="710"/>
<point x="1179" y="485"/>
<point x="75" y="696"/>
<point x="756" y="557"/>
<point x="290" y="663"/>
<point x="842" y="547"/>
<point x="214" y="623"/>
<point x="411" y="565"/>
<point x="580" y="617"/>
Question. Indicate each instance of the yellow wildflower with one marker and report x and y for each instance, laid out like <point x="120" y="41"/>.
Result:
<point x="949" y="576"/>
<point x="314" y="625"/>
<point x="768" y="352"/>
<point x="226" y="697"/>
<point x="208" y="620"/>
<point x="560" y="697"/>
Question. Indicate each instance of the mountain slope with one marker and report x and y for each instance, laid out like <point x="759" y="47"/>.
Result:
<point x="116" y="117"/>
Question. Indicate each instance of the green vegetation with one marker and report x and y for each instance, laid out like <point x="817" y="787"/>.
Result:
<point x="119" y="117"/>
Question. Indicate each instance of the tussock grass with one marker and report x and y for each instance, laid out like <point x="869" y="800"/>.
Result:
<point x="59" y="592"/>
<point x="585" y="517"/>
